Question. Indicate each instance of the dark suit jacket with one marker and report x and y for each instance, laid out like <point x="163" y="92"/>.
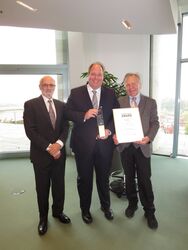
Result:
<point x="149" y="119"/>
<point x="39" y="129"/>
<point x="84" y="134"/>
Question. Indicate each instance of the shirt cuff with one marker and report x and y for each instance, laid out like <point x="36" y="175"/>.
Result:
<point x="60" y="143"/>
<point x="48" y="147"/>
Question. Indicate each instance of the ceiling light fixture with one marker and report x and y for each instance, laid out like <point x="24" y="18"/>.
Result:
<point x="126" y="24"/>
<point x="26" y="6"/>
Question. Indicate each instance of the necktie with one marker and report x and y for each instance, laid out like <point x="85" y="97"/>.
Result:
<point x="94" y="99"/>
<point x="51" y="113"/>
<point x="133" y="102"/>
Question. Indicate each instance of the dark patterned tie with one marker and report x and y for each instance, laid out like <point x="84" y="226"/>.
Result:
<point x="94" y="99"/>
<point x="52" y="114"/>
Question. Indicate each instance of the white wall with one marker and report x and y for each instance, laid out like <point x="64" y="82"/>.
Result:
<point x="119" y="54"/>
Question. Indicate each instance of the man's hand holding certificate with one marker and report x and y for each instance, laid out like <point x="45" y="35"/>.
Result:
<point x="128" y="125"/>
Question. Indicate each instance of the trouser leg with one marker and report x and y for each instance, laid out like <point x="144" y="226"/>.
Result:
<point x="58" y="186"/>
<point x="42" y="180"/>
<point x="102" y="164"/>
<point x="128" y="162"/>
<point x="84" y="180"/>
<point x="144" y="182"/>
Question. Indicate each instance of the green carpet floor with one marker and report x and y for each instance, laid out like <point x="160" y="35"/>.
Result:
<point x="19" y="215"/>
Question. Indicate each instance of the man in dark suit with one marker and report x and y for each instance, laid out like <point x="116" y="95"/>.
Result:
<point x="47" y="150"/>
<point x="136" y="156"/>
<point x="91" y="150"/>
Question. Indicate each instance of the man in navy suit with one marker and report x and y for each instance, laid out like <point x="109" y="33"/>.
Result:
<point x="136" y="156"/>
<point x="47" y="150"/>
<point x="91" y="150"/>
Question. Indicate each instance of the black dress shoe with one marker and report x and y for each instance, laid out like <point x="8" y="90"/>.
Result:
<point x="87" y="218"/>
<point x="130" y="210"/>
<point x="151" y="220"/>
<point x="42" y="227"/>
<point x="62" y="218"/>
<point x="108" y="213"/>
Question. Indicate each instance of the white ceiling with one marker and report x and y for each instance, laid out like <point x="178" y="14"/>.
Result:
<point x="93" y="16"/>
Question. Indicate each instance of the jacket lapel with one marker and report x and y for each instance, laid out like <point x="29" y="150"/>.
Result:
<point x="141" y="104"/>
<point x="58" y="113"/>
<point x="102" y="97"/>
<point x="86" y="97"/>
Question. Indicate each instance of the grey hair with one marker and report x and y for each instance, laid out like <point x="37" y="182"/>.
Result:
<point x="132" y="74"/>
<point x="44" y="77"/>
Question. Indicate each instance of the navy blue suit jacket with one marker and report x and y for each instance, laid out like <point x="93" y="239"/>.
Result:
<point x="83" y="138"/>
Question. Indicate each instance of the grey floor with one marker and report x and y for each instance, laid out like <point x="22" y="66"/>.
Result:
<point x="19" y="217"/>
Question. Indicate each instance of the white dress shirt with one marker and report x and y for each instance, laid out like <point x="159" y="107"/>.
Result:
<point x="98" y="93"/>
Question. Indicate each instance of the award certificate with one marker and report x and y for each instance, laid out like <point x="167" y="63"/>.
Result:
<point x="128" y="125"/>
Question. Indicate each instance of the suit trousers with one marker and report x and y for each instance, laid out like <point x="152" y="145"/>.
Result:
<point x="52" y="176"/>
<point x="136" y="165"/>
<point x="100" y="161"/>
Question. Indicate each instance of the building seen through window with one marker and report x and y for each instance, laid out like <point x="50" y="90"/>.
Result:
<point x="165" y="89"/>
<point x="23" y="62"/>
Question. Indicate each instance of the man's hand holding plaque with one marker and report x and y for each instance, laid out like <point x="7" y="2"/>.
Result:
<point x="103" y="132"/>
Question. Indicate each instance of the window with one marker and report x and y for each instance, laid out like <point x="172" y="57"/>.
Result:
<point x="185" y="37"/>
<point x="27" y="55"/>
<point x="27" y="46"/>
<point x="163" y="89"/>
<point x="171" y="96"/>
<point x="183" y="119"/>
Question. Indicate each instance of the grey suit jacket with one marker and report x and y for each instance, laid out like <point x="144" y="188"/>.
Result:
<point x="149" y="119"/>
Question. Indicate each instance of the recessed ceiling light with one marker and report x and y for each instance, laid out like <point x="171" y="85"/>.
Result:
<point x="126" y="24"/>
<point x="26" y="6"/>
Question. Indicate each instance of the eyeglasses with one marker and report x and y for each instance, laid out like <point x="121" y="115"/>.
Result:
<point x="131" y="85"/>
<point x="48" y="85"/>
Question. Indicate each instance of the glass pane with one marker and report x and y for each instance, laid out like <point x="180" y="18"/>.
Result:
<point x="183" y="123"/>
<point x="163" y="89"/>
<point x="27" y="46"/>
<point x="185" y="37"/>
<point x="16" y="90"/>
